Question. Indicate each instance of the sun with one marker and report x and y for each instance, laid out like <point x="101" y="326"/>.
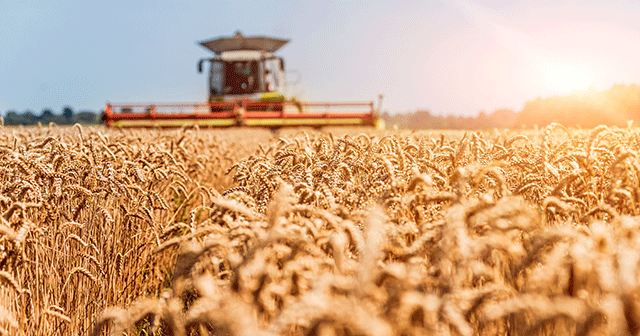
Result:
<point x="565" y="77"/>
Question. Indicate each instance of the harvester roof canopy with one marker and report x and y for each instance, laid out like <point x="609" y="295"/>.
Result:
<point x="240" y="42"/>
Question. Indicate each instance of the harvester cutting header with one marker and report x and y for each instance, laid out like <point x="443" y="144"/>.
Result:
<point x="246" y="88"/>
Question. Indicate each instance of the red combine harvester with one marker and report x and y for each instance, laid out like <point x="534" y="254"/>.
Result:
<point x="246" y="88"/>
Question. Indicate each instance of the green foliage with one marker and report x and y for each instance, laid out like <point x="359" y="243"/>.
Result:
<point x="46" y="114"/>
<point x="67" y="112"/>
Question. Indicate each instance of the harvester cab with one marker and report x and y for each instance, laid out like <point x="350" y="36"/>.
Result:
<point x="245" y="68"/>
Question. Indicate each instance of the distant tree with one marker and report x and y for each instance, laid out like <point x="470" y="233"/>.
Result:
<point x="86" y="117"/>
<point x="503" y="118"/>
<point x="29" y="118"/>
<point x="12" y="118"/>
<point x="67" y="113"/>
<point x="46" y="115"/>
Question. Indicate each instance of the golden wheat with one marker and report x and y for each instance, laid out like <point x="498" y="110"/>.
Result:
<point x="310" y="233"/>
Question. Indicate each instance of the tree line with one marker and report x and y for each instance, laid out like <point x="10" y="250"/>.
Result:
<point x="66" y="117"/>
<point x="424" y="119"/>
<point x="614" y="107"/>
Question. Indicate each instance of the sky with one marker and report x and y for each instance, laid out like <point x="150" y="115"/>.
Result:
<point x="451" y="57"/>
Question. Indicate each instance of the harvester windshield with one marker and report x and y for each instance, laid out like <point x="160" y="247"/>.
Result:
<point x="243" y="77"/>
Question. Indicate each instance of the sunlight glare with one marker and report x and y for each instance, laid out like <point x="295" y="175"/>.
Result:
<point x="565" y="77"/>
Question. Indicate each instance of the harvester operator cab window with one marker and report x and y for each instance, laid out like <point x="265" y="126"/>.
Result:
<point x="273" y="69"/>
<point x="216" y="77"/>
<point x="268" y="79"/>
<point x="241" y="77"/>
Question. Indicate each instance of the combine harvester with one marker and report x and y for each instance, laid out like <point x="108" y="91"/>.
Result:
<point x="246" y="88"/>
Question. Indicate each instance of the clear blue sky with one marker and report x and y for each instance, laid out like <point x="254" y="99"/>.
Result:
<point x="447" y="56"/>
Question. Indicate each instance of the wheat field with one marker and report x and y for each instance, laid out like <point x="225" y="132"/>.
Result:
<point x="304" y="232"/>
